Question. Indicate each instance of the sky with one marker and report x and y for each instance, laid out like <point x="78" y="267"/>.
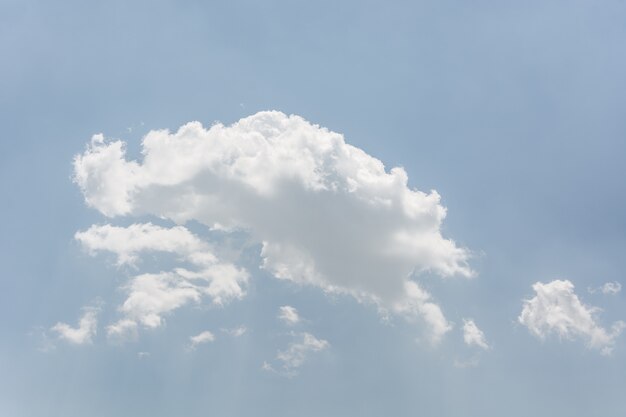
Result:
<point x="289" y="208"/>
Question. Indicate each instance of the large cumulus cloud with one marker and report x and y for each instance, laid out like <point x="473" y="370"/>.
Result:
<point x="325" y="213"/>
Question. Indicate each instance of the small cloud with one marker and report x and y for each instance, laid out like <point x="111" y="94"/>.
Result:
<point x="266" y="366"/>
<point x="289" y="315"/>
<point x="83" y="334"/>
<point x="201" y="338"/>
<point x="236" y="331"/>
<point x="122" y="330"/>
<point x="473" y="336"/>
<point x="143" y="355"/>
<point x="556" y="309"/>
<point x="467" y="363"/>
<point x="296" y="354"/>
<point x="608" y="288"/>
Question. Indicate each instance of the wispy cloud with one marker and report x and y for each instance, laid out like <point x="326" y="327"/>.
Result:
<point x="236" y="331"/>
<point x="86" y="330"/>
<point x="201" y="338"/>
<point x="150" y="296"/>
<point x="295" y="355"/>
<point x="608" y="288"/>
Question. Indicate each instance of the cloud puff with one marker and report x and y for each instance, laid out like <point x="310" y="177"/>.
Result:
<point x="152" y="295"/>
<point x="608" y="288"/>
<point x="83" y="334"/>
<point x="289" y="315"/>
<point x="201" y="338"/>
<point x="472" y="335"/>
<point x="556" y="309"/>
<point x="325" y="213"/>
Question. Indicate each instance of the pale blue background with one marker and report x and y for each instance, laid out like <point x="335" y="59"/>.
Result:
<point x="514" y="111"/>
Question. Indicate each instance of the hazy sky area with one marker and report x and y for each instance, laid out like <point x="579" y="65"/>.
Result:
<point x="290" y="208"/>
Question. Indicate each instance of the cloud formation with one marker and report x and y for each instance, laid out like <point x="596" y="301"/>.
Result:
<point x="325" y="213"/>
<point x="150" y="296"/>
<point x="83" y="334"/>
<point x="556" y="309"/>
<point x="473" y="336"/>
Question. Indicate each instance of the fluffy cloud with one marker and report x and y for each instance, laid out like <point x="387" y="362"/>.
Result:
<point x="152" y="295"/>
<point x="83" y="334"/>
<point x="289" y="315"/>
<point x="326" y="213"/>
<point x="201" y="338"/>
<point x="556" y="309"/>
<point x="472" y="335"/>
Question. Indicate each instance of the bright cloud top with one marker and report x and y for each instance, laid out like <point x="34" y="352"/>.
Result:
<point x="326" y="213"/>
<point x="473" y="336"/>
<point x="556" y="309"/>
<point x="83" y="334"/>
<point x="151" y="295"/>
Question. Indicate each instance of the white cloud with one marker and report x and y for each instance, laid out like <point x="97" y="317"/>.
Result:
<point x="472" y="335"/>
<point x="326" y="213"/>
<point x="128" y="242"/>
<point x="289" y="315"/>
<point x="83" y="334"/>
<point x="201" y="338"/>
<point x="556" y="309"/>
<point x="122" y="330"/>
<point x="297" y="351"/>
<point x="608" y="288"/>
<point x="152" y="295"/>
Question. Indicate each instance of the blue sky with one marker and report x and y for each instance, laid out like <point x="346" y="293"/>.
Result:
<point x="513" y="113"/>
